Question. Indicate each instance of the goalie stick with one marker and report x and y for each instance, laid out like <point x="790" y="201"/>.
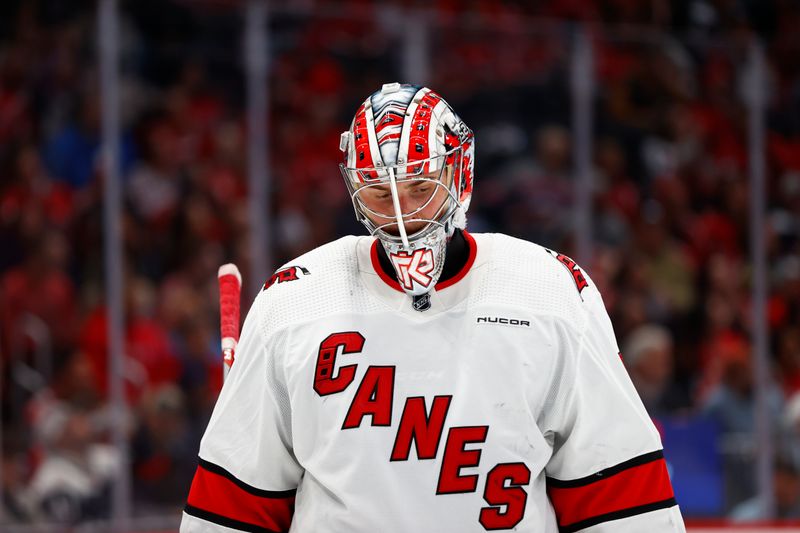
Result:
<point x="230" y="288"/>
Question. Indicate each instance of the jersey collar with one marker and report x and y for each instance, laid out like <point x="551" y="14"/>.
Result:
<point x="388" y="277"/>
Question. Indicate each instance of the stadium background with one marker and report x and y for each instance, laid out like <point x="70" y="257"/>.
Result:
<point x="630" y="135"/>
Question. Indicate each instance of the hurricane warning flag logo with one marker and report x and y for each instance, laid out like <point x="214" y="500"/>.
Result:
<point x="574" y="269"/>
<point x="414" y="267"/>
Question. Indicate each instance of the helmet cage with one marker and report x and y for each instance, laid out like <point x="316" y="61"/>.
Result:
<point x="442" y="171"/>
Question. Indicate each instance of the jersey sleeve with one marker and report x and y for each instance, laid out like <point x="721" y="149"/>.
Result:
<point x="607" y="471"/>
<point x="247" y="475"/>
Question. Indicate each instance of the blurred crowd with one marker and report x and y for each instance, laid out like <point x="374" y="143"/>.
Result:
<point x="670" y="210"/>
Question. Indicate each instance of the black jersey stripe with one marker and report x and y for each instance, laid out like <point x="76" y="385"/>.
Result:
<point x="225" y="521"/>
<point x="617" y="515"/>
<point x="216" y="469"/>
<point x="606" y="472"/>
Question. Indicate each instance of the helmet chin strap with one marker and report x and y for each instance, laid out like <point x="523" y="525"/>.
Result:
<point x="397" y="209"/>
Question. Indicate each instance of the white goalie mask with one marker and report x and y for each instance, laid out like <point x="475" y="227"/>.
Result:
<point x="408" y="166"/>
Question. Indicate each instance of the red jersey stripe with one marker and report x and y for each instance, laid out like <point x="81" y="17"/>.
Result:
<point x="216" y="492"/>
<point x="634" y="486"/>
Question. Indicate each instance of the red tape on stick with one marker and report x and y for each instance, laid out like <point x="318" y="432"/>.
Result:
<point x="230" y="288"/>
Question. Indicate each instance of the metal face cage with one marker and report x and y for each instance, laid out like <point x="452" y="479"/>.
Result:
<point x="404" y="203"/>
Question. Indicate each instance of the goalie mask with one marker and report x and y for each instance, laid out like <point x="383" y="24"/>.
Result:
<point x="408" y="166"/>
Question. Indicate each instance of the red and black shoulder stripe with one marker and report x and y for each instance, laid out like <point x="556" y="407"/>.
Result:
<point x="217" y="496"/>
<point x="639" y="485"/>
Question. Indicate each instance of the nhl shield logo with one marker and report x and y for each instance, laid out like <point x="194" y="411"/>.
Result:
<point x="421" y="302"/>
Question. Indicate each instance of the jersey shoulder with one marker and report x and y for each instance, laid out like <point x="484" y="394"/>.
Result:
<point x="524" y="274"/>
<point x="321" y="282"/>
<point x="338" y="255"/>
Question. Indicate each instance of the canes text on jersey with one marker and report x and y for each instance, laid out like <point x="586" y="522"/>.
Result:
<point x="504" y="483"/>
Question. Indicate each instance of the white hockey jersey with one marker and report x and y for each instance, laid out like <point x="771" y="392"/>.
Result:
<point x="505" y="406"/>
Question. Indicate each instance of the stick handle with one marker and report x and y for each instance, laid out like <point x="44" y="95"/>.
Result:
<point x="230" y="288"/>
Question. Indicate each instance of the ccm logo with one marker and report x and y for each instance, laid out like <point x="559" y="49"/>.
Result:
<point x="501" y="320"/>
